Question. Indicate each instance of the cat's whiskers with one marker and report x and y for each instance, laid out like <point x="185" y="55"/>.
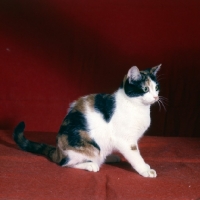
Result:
<point x="163" y="99"/>
<point x="159" y="105"/>
<point x="162" y="102"/>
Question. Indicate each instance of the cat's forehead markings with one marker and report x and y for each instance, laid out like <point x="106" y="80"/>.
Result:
<point x="148" y="81"/>
<point x="144" y="72"/>
<point x="152" y="84"/>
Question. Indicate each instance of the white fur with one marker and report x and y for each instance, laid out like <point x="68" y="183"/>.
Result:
<point x="130" y="120"/>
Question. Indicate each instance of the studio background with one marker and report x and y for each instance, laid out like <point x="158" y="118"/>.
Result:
<point x="52" y="52"/>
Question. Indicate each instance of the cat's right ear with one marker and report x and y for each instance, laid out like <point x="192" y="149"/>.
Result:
<point x="133" y="74"/>
<point x="155" y="69"/>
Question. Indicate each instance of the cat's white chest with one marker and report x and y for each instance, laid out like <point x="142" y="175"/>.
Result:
<point x="130" y="120"/>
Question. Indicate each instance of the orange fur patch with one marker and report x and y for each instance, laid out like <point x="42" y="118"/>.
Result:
<point x="90" y="100"/>
<point x="85" y="146"/>
<point x="80" y="105"/>
<point x="124" y="80"/>
<point x="134" y="147"/>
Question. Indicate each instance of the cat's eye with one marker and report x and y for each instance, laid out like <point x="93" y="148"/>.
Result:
<point x="157" y="87"/>
<point x="146" y="89"/>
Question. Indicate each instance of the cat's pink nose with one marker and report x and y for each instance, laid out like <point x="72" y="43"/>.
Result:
<point x="156" y="98"/>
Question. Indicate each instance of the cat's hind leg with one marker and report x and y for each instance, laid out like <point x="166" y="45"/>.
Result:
<point x="80" y="161"/>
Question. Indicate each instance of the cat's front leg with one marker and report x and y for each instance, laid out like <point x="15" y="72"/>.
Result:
<point x="132" y="154"/>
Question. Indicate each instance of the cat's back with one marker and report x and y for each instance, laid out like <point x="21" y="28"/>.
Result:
<point x="97" y="109"/>
<point x="101" y="112"/>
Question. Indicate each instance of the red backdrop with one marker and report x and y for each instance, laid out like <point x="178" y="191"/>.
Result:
<point x="52" y="52"/>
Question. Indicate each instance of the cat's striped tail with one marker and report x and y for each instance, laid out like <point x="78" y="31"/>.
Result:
<point x="48" y="151"/>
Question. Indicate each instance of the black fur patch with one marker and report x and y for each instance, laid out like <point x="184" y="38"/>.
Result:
<point x="134" y="89"/>
<point x="64" y="161"/>
<point x="30" y="146"/>
<point x="95" y="145"/>
<point x="19" y="128"/>
<point x="75" y="122"/>
<point x="105" y="104"/>
<point x="19" y="138"/>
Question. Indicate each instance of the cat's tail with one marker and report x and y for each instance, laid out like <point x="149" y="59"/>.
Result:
<point x="52" y="153"/>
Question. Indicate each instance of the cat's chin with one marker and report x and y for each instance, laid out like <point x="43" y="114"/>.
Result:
<point x="149" y="103"/>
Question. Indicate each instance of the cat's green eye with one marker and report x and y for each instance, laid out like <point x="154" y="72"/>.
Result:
<point x="146" y="89"/>
<point x="157" y="87"/>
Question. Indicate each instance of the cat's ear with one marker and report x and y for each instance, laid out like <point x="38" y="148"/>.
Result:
<point x="155" y="69"/>
<point x="133" y="74"/>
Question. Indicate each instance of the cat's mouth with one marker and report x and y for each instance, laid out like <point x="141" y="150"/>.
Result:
<point x="154" y="101"/>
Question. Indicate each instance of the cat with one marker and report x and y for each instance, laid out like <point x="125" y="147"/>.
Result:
<point x="98" y="124"/>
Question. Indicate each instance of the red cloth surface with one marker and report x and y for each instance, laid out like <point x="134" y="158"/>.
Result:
<point x="27" y="176"/>
<point x="54" y="51"/>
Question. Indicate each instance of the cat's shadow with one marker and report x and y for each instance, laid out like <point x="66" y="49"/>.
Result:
<point x="6" y="141"/>
<point x="122" y="165"/>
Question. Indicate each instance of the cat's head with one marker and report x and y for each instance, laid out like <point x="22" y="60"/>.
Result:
<point x="142" y="84"/>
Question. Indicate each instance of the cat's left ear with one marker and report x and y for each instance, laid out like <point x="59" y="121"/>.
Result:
<point x="155" y="69"/>
<point x="133" y="74"/>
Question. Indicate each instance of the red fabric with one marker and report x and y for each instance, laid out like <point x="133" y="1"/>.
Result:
<point x="54" y="51"/>
<point x="27" y="176"/>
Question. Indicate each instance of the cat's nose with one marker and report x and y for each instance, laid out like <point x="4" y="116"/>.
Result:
<point x="156" y="98"/>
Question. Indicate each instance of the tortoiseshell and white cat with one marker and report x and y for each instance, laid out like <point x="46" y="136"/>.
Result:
<point x="98" y="124"/>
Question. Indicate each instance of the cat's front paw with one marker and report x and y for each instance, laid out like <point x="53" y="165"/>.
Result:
<point x="151" y="173"/>
<point x="148" y="172"/>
